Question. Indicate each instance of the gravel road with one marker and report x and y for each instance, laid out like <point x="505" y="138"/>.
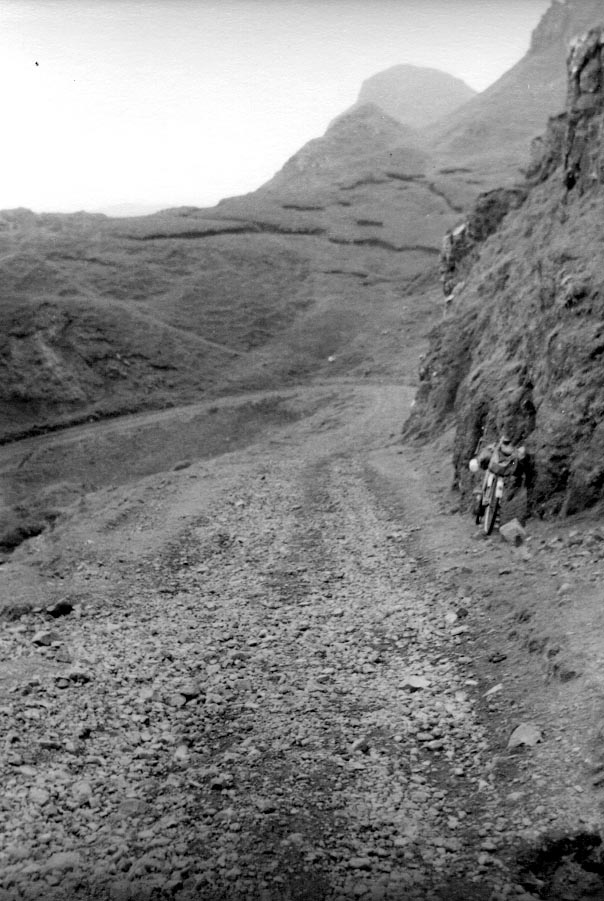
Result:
<point x="264" y="690"/>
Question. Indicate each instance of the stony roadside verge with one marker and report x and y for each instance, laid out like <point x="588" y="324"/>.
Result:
<point x="281" y="702"/>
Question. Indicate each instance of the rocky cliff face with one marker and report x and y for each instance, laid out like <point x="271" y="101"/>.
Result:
<point x="461" y="245"/>
<point x="521" y="347"/>
<point x="573" y="139"/>
<point x="582" y="147"/>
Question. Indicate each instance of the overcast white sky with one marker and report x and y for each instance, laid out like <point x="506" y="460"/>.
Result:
<point x="170" y="102"/>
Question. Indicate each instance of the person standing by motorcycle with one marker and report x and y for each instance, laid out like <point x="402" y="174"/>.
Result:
<point x="497" y="461"/>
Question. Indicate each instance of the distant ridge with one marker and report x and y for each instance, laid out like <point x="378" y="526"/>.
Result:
<point x="123" y="210"/>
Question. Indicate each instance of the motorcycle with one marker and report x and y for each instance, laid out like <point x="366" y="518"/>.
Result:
<point x="499" y="461"/>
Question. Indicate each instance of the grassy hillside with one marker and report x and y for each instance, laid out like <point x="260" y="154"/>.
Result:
<point x="101" y="316"/>
<point x="330" y="268"/>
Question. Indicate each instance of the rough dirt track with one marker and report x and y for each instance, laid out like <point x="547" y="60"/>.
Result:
<point x="273" y="685"/>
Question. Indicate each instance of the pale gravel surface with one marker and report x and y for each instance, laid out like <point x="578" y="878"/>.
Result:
<point x="278" y="702"/>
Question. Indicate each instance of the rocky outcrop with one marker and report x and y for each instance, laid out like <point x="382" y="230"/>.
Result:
<point x="547" y="150"/>
<point x="583" y="148"/>
<point x="522" y="347"/>
<point x="573" y="139"/>
<point x="461" y="245"/>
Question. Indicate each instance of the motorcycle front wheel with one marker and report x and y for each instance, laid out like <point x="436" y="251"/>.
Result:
<point x="490" y="513"/>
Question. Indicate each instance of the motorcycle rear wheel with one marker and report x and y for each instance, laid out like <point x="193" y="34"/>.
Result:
<point x="490" y="513"/>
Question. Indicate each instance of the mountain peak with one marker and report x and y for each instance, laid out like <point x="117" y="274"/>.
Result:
<point x="362" y="138"/>
<point x="415" y="95"/>
<point x="372" y="119"/>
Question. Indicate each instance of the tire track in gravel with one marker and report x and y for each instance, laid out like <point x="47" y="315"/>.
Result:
<point x="397" y="705"/>
<point x="343" y="764"/>
<point x="276" y="704"/>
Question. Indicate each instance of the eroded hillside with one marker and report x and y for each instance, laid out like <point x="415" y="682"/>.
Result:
<point x="522" y="346"/>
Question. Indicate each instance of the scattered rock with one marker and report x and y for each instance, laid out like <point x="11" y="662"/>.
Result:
<point x="416" y="683"/>
<point x="39" y="796"/>
<point x="488" y="844"/>
<point x="77" y="674"/>
<point x="190" y="690"/>
<point x="512" y="532"/>
<point x="221" y="781"/>
<point x="359" y="863"/>
<point x="60" y="608"/>
<point x="177" y="699"/>
<point x="64" y="860"/>
<point x="525" y="734"/>
<point x="44" y="638"/>
<point x="131" y="807"/>
<point x="82" y="792"/>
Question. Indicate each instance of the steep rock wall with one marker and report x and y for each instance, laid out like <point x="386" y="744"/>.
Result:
<point x="522" y="346"/>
